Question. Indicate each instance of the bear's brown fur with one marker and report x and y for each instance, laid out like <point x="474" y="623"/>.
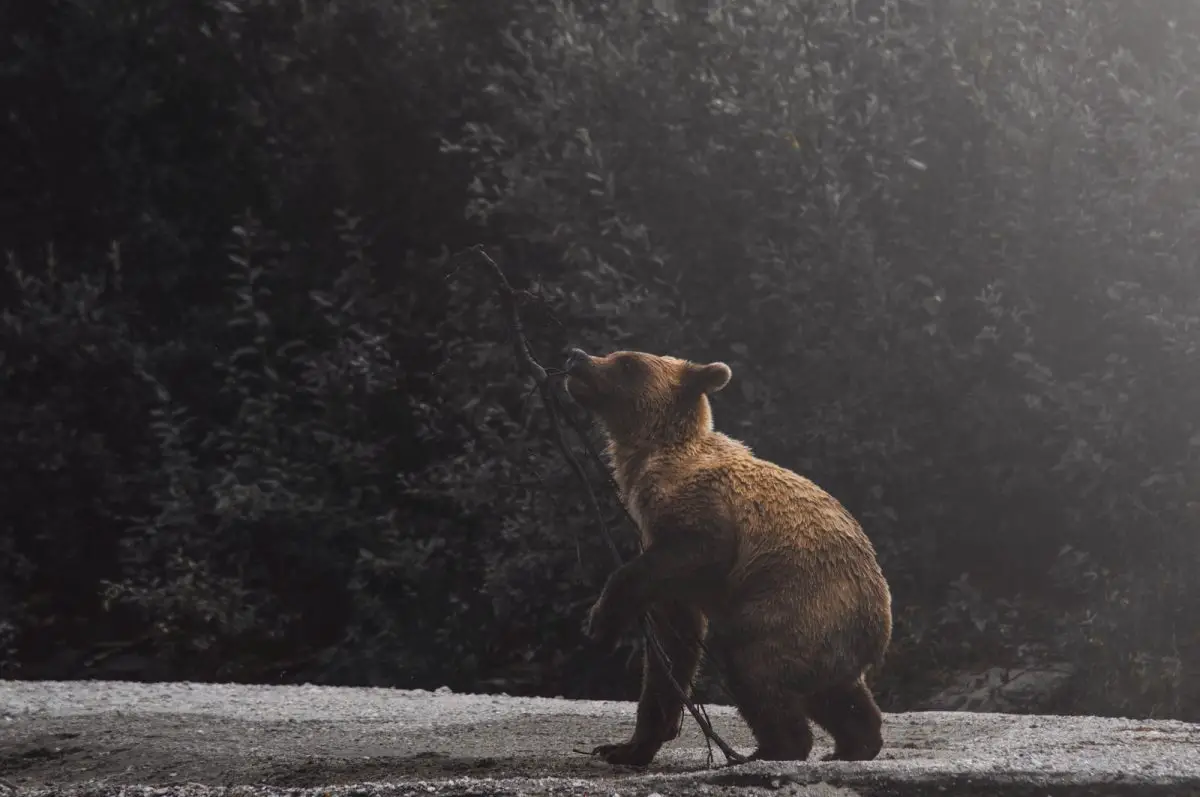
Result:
<point x="785" y="576"/>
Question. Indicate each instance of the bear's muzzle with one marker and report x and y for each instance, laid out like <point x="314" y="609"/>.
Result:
<point x="576" y="360"/>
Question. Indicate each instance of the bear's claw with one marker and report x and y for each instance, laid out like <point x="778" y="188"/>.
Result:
<point x="630" y="754"/>
<point x="600" y="626"/>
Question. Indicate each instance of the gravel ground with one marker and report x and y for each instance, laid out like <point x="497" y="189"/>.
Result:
<point x="143" y="740"/>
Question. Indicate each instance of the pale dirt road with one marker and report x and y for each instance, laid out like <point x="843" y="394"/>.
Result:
<point x="109" y="738"/>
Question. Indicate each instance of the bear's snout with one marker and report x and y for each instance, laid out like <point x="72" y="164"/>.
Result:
<point x="576" y="357"/>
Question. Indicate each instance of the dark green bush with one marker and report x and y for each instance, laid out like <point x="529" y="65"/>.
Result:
<point x="917" y="241"/>
<point x="277" y="433"/>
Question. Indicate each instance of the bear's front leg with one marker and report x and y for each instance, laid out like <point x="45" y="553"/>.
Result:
<point x="681" y="631"/>
<point x="623" y="600"/>
<point x="676" y="569"/>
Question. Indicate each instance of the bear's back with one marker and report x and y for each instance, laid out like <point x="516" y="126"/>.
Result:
<point x="771" y="509"/>
<point x="789" y="531"/>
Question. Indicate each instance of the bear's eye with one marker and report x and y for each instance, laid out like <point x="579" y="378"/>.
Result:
<point x="628" y="365"/>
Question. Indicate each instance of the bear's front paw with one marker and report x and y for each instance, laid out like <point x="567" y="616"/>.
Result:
<point x="628" y="754"/>
<point x="601" y="625"/>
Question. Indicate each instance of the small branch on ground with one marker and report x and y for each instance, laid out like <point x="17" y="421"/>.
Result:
<point x="557" y="414"/>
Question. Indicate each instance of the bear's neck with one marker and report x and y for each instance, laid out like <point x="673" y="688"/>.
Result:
<point x="627" y="462"/>
<point x="679" y="436"/>
<point x="630" y="460"/>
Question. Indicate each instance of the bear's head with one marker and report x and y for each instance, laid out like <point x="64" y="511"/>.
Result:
<point x="646" y="399"/>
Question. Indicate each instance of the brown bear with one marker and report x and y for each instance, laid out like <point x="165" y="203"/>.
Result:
<point x="777" y="568"/>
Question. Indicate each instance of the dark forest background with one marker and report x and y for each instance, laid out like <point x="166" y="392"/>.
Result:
<point x="254" y="432"/>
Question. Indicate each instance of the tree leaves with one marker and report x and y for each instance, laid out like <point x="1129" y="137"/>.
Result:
<point x="946" y="257"/>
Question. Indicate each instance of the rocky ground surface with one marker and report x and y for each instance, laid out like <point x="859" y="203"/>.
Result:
<point x="117" y="738"/>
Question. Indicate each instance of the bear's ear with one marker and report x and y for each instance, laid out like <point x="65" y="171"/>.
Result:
<point x="709" y="378"/>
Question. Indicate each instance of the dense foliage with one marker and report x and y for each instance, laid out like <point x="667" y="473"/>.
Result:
<point x="261" y="425"/>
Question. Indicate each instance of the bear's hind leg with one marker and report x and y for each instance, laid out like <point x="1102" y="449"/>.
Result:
<point x="850" y="715"/>
<point x="775" y="712"/>
<point x="681" y="630"/>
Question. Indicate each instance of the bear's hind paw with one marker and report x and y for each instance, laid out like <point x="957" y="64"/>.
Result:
<point x="629" y="754"/>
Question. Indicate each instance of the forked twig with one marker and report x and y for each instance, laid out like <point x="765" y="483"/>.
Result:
<point x="550" y="400"/>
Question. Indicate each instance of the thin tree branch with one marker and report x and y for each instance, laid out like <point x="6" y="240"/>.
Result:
<point x="551" y="401"/>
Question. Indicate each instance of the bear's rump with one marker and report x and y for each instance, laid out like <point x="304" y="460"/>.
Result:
<point x="824" y="632"/>
<point x="808" y="654"/>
